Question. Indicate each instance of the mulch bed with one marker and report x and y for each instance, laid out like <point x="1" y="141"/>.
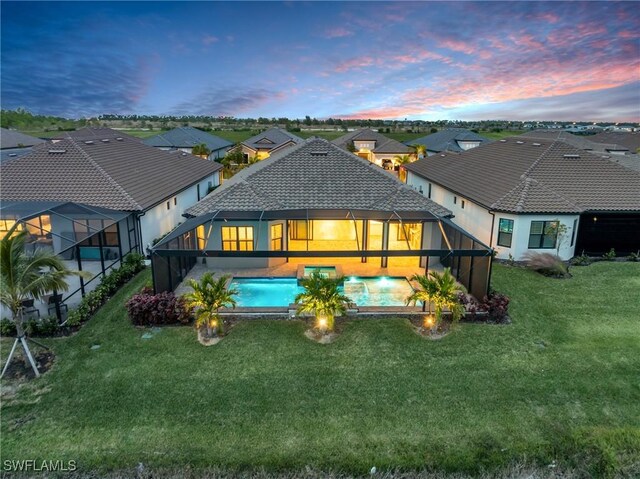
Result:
<point x="20" y="368"/>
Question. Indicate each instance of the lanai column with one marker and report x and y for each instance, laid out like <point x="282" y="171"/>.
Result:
<point x="385" y="243"/>
<point x="365" y="238"/>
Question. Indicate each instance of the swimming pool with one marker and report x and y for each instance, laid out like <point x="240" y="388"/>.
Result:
<point x="279" y="292"/>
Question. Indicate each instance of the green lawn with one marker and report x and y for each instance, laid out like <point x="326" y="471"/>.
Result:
<point x="560" y="383"/>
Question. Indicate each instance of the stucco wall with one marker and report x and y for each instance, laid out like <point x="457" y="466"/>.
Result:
<point x="159" y="220"/>
<point x="477" y="221"/>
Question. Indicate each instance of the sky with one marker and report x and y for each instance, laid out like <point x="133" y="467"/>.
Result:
<point x="577" y="61"/>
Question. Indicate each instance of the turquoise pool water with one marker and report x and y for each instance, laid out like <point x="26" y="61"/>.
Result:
<point x="274" y="292"/>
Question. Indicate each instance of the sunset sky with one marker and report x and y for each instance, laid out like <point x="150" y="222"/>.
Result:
<point x="427" y="60"/>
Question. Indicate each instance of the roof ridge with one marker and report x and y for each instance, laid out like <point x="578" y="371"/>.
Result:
<point x="535" y="163"/>
<point x="101" y="170"/>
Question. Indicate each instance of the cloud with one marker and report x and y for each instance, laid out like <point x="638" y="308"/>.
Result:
<point x="226" y="101"/>
<point x="337" y="32"/>
<point x="209" y="40"/>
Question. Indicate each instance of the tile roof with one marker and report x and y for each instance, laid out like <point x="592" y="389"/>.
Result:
<point x="187" y="137"/>
<point x="523" y="175"/>
<point x="383" y="144"/>
<point x="579" y="141"/>
<point x="271" y="139"/>
<point x="120" y="174"/>
<point x="447" y="139"/>
<point x="15" y="139"/>
<point x="315" y="175"/>
<point x="630" y="140"/>
<point x="628" y="161"/>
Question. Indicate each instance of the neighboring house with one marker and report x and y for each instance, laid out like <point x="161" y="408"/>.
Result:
<point x="267" y="143"/>
<point x="14" y="144"/>
<point x="579" y="141"/>
<point x="93" y="133"/>
<point x="450" y="139"/>
<point x="315" y="203"/>
<point x="118" y="174"/>
<point x="512" y="194"/>
<point x="630" y="140"/>
<point x="373" y="146"/>
<point x="185" y="138"/>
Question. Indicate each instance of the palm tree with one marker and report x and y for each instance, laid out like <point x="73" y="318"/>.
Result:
<point x="207" y="297"/>
<point x="420" y="150"/>
<point x="323" y="299"/>
<point x="201" y="150"/>
<point x="442" y="290"/>
<point x="25" y="276"/>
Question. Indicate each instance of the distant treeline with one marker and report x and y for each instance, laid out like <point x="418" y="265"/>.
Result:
<point x="22" y="119"/>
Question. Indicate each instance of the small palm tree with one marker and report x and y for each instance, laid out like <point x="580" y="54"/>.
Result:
<point x="442" y="290"/>
<point x="201" y="150"/>
<point x="420" y="150"/>
<point x="402" y="159"/>
<point x="323" y="299"/>
<point x="25" y="276"/>
<point x="207" y="297"/>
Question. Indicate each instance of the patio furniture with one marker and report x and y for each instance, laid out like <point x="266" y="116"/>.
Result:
<point x="53" y="300"/>
<point x="28" y="308"/>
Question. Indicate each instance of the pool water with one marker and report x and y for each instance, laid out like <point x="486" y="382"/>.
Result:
<point x="278" y="292"/>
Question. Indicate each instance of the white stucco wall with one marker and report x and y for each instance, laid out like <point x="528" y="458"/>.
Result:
<point x="477" y="220"/>
<point x="159" y="220"/>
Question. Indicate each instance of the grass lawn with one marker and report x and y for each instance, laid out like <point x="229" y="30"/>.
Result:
<point x="559" y="384"/>
<point x="492" y="135"/>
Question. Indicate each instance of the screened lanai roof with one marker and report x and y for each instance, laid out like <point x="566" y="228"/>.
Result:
<point x="24" y="211"/>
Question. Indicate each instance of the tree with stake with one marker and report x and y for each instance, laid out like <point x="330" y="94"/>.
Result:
<point x="27" y="276"/>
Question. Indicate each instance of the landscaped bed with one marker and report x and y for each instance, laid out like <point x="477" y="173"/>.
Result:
<point x="558" y="386"/>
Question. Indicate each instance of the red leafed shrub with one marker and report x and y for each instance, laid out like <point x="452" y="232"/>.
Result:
<point x="148" y="309"/>
<point x="493" y="308"/>
<point x="497" y="305"/>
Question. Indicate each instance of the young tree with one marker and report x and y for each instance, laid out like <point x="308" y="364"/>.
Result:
<point x="560" y="231"/>
<point x="442" y="290"/>
<point x="323" y="299"/>
<point x="26" y="276"/>
<point x="201" y="150"/>
<point x="420" y="150"/>
<point x="207" y="297"/>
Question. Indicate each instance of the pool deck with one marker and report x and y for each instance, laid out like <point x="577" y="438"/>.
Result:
<point x="290" y="270"/>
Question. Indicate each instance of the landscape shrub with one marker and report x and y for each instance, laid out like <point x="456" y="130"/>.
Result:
<point x="148" y="309"/>
<point x="493" y="308"/>
<point x="7" y="327"/>
<point x="132" y="264"/>
<point x="634" y="256"/>
<point x="547" y="264"/>
<point x="47" y="326"/>
<point x="497" y="305"/>
<point x="582" y="260"/>
<point x="610" y="255"/>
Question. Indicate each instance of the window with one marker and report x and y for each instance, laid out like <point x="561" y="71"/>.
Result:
<point x="299" y="230"/>
<point x="237" y="238"/>
<point x="505" y="232"/>
<point x="6" y="225"/>
<point x="168" y="205"/>
<point x="276" y="237"/>
<point x="202" y="238"/>
<point x="86" y="233"/>
<point x="462" y="204"/>
<point x="175" y="200"/>
<point x="455" y="200"/>
<point x="543" y="234"/>
<point x="429" y="195"/>
<point x="39" y="226"/>
<point x="573" y="231"/>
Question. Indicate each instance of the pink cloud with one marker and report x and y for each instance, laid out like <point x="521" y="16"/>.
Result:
<point x="355" y="64"/>
<point x="458" y="46"/>
<point x="628" y="34"/>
